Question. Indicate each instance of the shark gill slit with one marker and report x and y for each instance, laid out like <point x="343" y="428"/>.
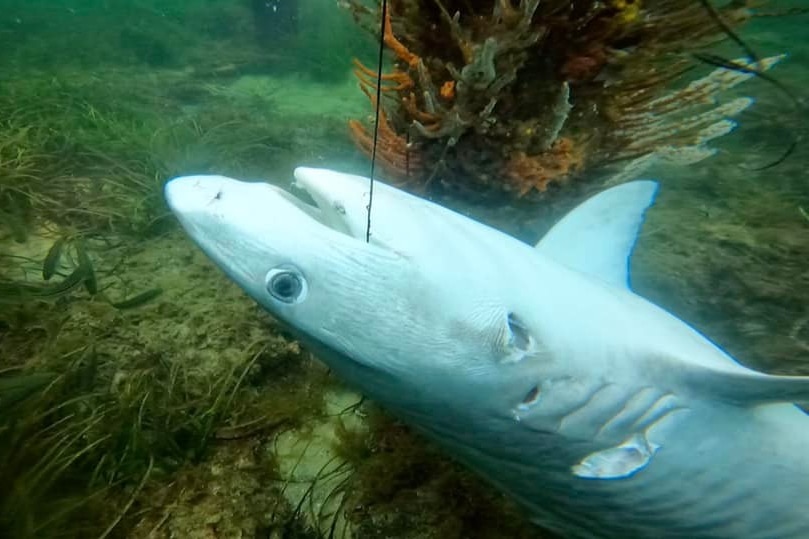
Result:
<point x="664" y="405"/>
<point x="633" y="408"/>
<point x="576" y="409"/>
<point x="530" y="398"/>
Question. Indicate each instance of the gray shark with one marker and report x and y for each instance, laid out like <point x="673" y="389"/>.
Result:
<point x="536" y="366"/>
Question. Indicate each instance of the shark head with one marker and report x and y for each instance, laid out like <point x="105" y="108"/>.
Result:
<point x="403" y="317"/>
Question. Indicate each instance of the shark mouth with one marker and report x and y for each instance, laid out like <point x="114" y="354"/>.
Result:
<point x="337" y="199"/>
<point x="331" y="199"/>
<point x="313" y="204"/>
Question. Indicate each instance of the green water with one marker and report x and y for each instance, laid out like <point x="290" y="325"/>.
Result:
<point x="143" y="395"/>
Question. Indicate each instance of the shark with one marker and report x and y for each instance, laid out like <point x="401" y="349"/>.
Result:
<point x="602" y="414"/>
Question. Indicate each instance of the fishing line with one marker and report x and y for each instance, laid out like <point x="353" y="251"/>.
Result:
<point x="728" y="31"/>
<point x="724" y="63"/>
<point x="757" y="69"/>
<point x="376" y="118"/>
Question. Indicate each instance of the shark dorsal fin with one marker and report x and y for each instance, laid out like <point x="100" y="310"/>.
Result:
<point x="597" y="236"/>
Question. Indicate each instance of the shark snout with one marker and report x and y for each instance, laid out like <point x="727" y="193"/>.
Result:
<point x="191" y="194"/>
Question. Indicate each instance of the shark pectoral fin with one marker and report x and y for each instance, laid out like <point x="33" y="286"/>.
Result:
<point x="748" y="387"/>
<point x="597" y="236"/>
<point x="617" y="462"/>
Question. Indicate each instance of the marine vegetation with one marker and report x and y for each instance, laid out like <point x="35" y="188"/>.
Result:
<point x="389" y="468"/>
<point x="519" y="98"/>
<point x="101" y="405"/>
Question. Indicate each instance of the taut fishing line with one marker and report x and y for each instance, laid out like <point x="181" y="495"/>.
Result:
<point x="757" y="69"/>
<point x="376" y="118"/>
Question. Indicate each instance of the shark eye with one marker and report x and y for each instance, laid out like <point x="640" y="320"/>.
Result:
<point x="286" y="285"/>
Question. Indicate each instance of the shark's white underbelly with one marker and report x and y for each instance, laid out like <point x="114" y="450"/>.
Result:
<point x="720" y="475"/>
